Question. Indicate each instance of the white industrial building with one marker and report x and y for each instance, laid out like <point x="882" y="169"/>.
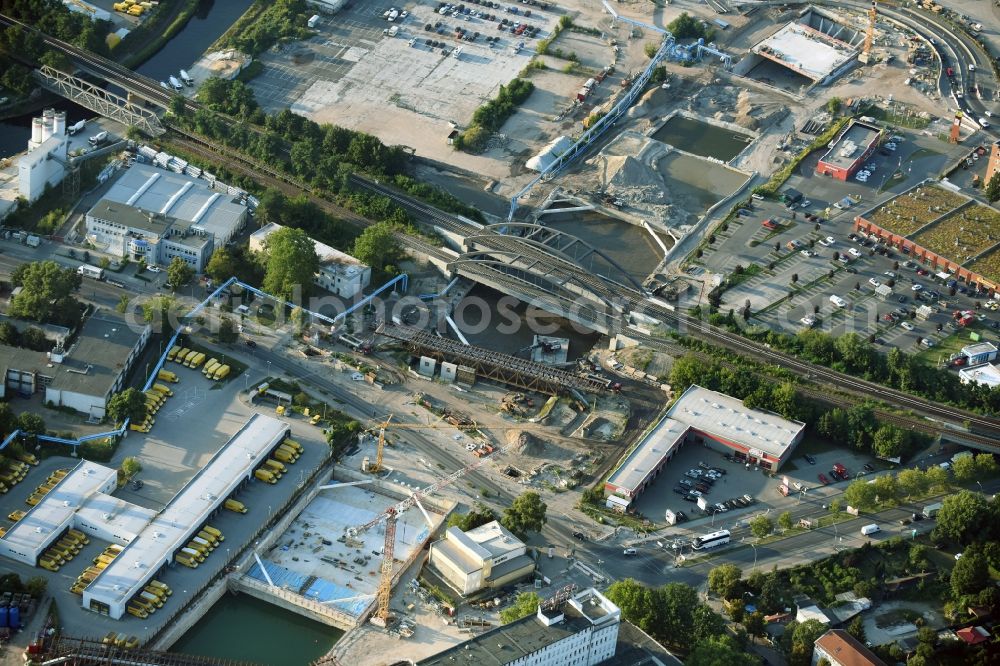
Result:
<point x="157" y="215"/>
<point x="987" y="375"/>
<point x="169" y="531"/>
<point x="44" y="165"/>
<point x="488" y="556"/>
<point x="47" y="521"/>
<point x="339" y="272"/>
<point x="581" y="630"/>
<point x="83" y="377"/>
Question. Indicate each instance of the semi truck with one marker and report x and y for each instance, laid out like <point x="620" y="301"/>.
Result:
<point x="92" y="272"/>
<point x="931" y="510"/>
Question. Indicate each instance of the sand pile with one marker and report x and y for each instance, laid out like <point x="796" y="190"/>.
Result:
<point x="523" y="443"/>
<point x="632" y="181"/>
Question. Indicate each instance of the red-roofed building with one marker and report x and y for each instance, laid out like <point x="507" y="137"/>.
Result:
<point x="841" y="649"/>
<point x="973" y="635"/>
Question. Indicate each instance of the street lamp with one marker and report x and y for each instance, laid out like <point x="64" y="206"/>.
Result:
<point x="754" y="546"/>
<point x="980" y="487"/>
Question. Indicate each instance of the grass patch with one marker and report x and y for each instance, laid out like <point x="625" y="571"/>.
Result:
<point x="944" y="349"/>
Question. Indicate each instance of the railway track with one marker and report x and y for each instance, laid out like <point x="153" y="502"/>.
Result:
<point x="151" y="90"/>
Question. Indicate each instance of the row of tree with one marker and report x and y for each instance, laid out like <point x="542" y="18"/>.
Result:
<point x="856" y="355"/>
<point x="525" y="514"/>
<point x="491" y="116"/>
<point x="324" y="156"/>
<point x="758" y="388"/>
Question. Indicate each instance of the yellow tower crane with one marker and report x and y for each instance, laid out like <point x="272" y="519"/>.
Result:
<point x="866" y="50"/>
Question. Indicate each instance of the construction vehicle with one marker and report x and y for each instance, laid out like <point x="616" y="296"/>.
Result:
<point x="866" y="50"/>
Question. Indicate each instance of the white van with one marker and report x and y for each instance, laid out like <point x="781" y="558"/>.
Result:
<point x="838" y="301"/>
<point x="868" y="530"/>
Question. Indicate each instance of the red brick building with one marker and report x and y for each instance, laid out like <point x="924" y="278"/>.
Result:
<point x="849" y="150"/>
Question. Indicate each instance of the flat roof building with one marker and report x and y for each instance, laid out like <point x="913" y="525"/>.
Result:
<point x="486" y="557"/>
<point x="849" y="150"/>
<point x="581" y="630"/>
<point x="48" y="520"/>
<point x="985" y="375"/>
<point x="759" y="436"/>
<point x="339" y="272"/>
<point x="644" y="463"/>
<point x="709" y="418"/>
<point x="981" y="352"/>
<point x="168" y="532"/>
<point x="157" y="215"/>
<point x="85" y="376"/>
<point x="807" y="51"/>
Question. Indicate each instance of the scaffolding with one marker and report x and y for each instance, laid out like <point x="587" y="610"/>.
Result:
<point x="503" y="368"/>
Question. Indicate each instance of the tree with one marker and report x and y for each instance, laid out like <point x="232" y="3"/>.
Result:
<point x="964" y="468"/>
<point x="128" y="404"/>
<point x="178" y="105"/>
<point x="291" y="263"/>
<point x="525" y="514"/>
<point x="860" y="495"/>
<point x="971" y="573"/>
<point x="890" y="441"/>
<point x="707" y="623"/>
<point x="993" y="187"/>
<point x="227" y="331"/>
<point x="377" y="247"/>
<point x="720" y="651"/>
<point x="35" y="586"/>
<point x="985" y="464"/>
<point x="686" y="26"/>
<point x="724" y="580"/>
<point x="754" y="623"/>
<point x="478" y="515"/>
<point x="130" y="467"/>
<point x="675" y="607"/>
<point x="179" y="273"/>
<point x="785" y="522"/>
<point x="525" y="604"/>
<point x="937" y="478"/>
<point x="637" y="603"/>
<point x="222" y="265"/>
<point x="857" y="629"/>
<point x="962" y="516"/>
<point x="803" y="637"/>
<point x="46" y="293"/>
<point x="912" y="482"/>
<point x="761" y="526"/>
<point x="33" y="424"/>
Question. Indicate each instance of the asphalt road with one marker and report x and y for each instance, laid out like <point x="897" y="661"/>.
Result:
<point x="656" y="565"/>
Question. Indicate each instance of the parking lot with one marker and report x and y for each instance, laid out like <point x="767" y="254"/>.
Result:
<point x="740" y="480"/>
<point x="820" y="277"/>
<point x="189" y="428"/>
<point x="355" y="62"/>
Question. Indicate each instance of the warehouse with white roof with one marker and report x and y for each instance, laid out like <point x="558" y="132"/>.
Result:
<point x="48" y="520"/>
<point x="183" y="516"/>
<point x="157" y="215"/>
<point x="707" y="418"/>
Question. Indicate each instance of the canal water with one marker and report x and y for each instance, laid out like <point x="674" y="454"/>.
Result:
<point x="701" y="138"/>
<point x="241" y="628"/>
<point x="211" y="19"/>
<point x="628" y="245"/>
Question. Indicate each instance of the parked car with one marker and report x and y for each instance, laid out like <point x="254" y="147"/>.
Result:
<point x="810" y="459"/>
<point x="823" y="479"/>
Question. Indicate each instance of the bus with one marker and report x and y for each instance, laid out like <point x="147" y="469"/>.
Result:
<point x="720" y="538"/>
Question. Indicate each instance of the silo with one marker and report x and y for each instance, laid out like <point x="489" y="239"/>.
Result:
<point x="59" y="128"/>
<point x="36" y="131"/>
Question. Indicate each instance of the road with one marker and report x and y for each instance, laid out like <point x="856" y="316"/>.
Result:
<point x="655" y="565"/>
